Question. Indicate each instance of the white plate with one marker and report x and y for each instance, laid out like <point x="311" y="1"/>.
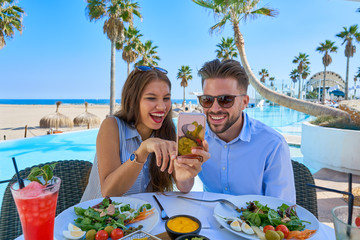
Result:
<point x="69" y="216"/>
<point x="271" y="202"/>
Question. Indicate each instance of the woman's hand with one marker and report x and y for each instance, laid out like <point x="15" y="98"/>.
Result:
<point x="163" y="149"/>
<point x="188" y="168"/>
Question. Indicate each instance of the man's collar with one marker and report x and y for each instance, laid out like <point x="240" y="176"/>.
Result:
<point x="245" y="134"/>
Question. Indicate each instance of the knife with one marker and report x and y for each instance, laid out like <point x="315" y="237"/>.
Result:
<point x="164" y="217"/>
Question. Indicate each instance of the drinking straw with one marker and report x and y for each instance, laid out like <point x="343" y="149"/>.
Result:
<point x="19" y="179"/>
<point x="5" y="181"/>
<point x="350" y="202"/>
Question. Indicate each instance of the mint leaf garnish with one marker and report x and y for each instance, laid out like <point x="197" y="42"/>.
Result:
<point x="46" y="172"/>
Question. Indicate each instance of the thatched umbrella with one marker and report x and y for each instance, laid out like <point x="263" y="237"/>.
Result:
<point x="86" y="118"/>
<point x="55" y="120"/>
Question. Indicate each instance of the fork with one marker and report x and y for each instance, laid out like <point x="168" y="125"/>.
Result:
<point x="223" y="201"/>
<point x="164" y="216"/>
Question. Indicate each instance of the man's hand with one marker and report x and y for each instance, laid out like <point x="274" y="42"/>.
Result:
<point x="187" y="168"/>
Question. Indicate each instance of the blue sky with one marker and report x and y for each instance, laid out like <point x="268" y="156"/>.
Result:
<point x="61" y="54"/>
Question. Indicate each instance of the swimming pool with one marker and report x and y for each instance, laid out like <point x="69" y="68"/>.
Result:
<point x="284" y="120"/>
<point x="81" y="145"/>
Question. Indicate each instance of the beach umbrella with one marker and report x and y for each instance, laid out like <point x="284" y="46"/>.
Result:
<point x="86" y="118"/>
<point x="55" y="120"/>
<point x="338" y="93"/>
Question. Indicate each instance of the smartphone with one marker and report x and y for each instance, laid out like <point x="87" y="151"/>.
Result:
<point x="190" y="133"/>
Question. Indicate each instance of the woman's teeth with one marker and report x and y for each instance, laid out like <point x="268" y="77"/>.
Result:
<point x="157" y="114"/>
<point x="157" y="117"/>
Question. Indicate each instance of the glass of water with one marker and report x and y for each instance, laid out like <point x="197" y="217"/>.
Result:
<point x="343" y="230"/>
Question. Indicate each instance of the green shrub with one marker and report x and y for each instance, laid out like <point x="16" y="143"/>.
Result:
<point x="335" y="122"/>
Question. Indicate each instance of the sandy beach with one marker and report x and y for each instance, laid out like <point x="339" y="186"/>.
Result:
<point x="13" y="118"/>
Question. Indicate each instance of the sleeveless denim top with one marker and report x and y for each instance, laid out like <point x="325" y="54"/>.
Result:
<point x="130" y="141"/>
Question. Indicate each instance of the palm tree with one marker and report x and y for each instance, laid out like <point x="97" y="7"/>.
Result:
<point x="10" y="19"/>
<point x="272" y="79"/>
<point x="350" y="49"/>
<point x="148" y="54"/>
<point x="227" y="49"/>
<point x="237" y="10"/>
<point x="116" y="13"/>
<point x="355" y="80"/>
<point x="264" y="74"/>
<point x="294" y="75"/>
<point x="131" y="46"/>
<point x="184" y="74"/>
<point x="304" y="75"/>
<point x="326" y="47"/>
<point x="303" y="60"/>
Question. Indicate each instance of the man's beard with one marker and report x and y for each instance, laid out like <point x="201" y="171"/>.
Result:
<point x="229" y="122"/>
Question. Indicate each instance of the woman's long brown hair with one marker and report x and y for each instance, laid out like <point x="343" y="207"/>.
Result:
<point x="130" y="113"/>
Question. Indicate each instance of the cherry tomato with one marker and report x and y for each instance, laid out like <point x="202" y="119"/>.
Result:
<point x="284" y="229"/>
<point x="357" y="221"/>
<point x="101" y="235"/>
<point x="268" y="227"/>
<point x="116" y="234"/>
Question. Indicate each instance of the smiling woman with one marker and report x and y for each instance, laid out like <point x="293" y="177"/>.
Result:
<point x="124" y="162"/>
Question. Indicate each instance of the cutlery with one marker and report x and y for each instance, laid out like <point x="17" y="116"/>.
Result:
<point x="164" y="217"/>
<point x="223" y="201"/>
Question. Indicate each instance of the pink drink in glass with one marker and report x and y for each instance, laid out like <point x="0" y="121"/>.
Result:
<point x="36" y="205"/>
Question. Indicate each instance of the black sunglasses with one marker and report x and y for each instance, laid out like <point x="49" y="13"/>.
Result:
<point x="148" y="68"/>
<point x="225" y="101"/>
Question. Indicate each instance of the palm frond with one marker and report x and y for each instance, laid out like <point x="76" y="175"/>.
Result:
<point x="265" y="12"/>
<point x="220" y="25"/>
<point x="205" y="4"/>
<point x="95" y="10"/>
<point x="10" y="20"/>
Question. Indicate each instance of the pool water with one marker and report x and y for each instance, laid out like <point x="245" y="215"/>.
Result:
<point x="81" y="144"/>
<point x="282" y="119"/>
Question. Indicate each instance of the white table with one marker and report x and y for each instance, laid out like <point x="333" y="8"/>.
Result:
<point x="204" y="212"/>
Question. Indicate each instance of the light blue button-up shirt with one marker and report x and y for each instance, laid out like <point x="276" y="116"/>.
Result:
<point x="256" y="162"/>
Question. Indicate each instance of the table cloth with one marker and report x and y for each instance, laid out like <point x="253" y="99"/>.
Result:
<point x="203" y="211"/>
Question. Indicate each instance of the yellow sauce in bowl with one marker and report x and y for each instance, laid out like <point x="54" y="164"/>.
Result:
<point x="182" y="225"/>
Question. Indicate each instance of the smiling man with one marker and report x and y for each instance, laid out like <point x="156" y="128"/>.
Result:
<point x="247" y="157"/>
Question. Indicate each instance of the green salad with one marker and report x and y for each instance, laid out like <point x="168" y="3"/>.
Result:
<point x="109" y="213"/>
<point x="258" y="215"/>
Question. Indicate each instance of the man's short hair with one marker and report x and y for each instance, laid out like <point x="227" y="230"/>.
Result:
<point x="224" y="69"/>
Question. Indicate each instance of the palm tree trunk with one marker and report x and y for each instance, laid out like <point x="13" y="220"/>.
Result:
<point x="281" y="99"/>
<point x="347" y="79"/>
<point x="184" y="95"/>
<point x="299" y="95"/>
<point x="324" y="87"/>
<point x="128" y="68"/>
<point x="112" y="79"/>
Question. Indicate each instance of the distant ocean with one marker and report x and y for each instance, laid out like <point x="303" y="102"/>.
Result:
<point x="73" y="101"/>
